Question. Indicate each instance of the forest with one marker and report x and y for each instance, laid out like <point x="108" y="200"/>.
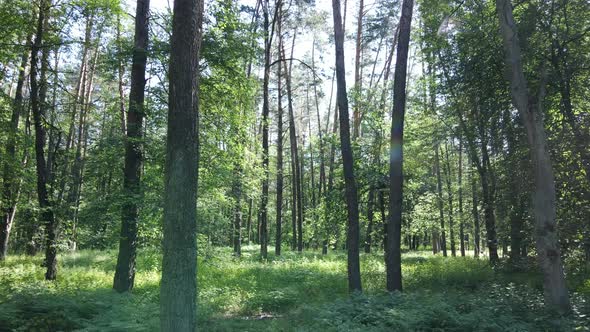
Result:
<point x="294" y="165"/>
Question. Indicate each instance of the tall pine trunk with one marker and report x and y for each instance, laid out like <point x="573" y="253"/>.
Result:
<point x="352" y="238"/>
<point x="393" y="252"/>
<point x="125" y="270"/>
<point x="178" y="291"/>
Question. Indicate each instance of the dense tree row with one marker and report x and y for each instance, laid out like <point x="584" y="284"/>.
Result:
<point x="109" y="123"/>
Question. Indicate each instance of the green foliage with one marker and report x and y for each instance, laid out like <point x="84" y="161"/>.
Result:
<point x="294" y="292"/>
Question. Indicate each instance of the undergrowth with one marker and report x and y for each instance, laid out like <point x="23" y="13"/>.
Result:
<point x="294" y="292"/>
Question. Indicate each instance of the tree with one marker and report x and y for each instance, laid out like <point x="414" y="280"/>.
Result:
<point x="178" y="292"/>
<point x="393" y="252"/>
<point x="125" y="271"/>
<point x="11" y="184"/>
<point x="352" y="238"/>
<point x="38" y="100"/>
<point x="530" y="108"/>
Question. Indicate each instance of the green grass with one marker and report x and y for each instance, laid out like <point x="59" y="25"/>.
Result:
<point x="295" y="292"/>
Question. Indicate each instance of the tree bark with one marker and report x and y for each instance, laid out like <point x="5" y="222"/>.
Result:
<point x="352" y="239"/>
<point x="443" y="239"/>
<point x="530" y="109"/>
<point x="447" y="171"/>
<point x="357" y="75"/>
<point x="460" y="183"/>
<point x="38" y="107"/>
<point x="393" y="254"/>
<point x="178" y="292"/>
<point x="279" y="207"/>
<point x="125" y="270"/>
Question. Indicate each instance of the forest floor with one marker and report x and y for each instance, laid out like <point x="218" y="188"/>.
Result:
<point x="294" y="292"/>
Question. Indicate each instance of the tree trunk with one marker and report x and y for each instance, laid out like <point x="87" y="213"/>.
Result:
<point x="357" y="74"/>
<point x="279" y="218"/>
<point x="370" y="217"/>
<point x="38" y="107"/>
<point x="475" y="213"/>
<point x="443" y="239"/>
<point x="448" y="175"/>
<point x="295" y="166"/>
<point x="237" y="194"/>
<point x="352" y="239"/>
<point x="10" y="176"/>
<point x="178" y="291"/>
<point x="125" y="270"/>
<point x="265" y="135"/>
<point x="531" y="112"/>
<point x="393" y="255"/>
<point x="460" y="183"/>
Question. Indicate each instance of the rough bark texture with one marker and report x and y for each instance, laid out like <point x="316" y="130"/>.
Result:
<point x="475" y="214"/>
<point x="352" y="238"/>
<point x="393" y="252"/>
<point x="125" y="270"/>
<point x="530" y="109"/>
<point x="178" y="292"/>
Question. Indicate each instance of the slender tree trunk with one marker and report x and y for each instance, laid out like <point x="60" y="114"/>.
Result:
<point x="461" y="221"/>
<point x="448" y="175"/>
<point x="10" y="176"/>
<point x="370" y="217"/>
<point x="237" y="194"/>
<point x="531" y="112"/>
<point x="475" y="213"/>
<point x="178" y="291"/>
<point x="357" y="74"/>
<point x="443" y="239"/>
<point x="125" y="271"/>
<point x="249" y="222"/>
<point x="120" y="72"/>
<point x="352" y="239"/>
<point x="265" y="134"/>
<point x="279" y="207"/>
<point x="393" y="255"/>
<point x="295" y="165"/>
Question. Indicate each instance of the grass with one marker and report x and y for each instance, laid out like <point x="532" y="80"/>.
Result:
<point x="294" y="292"/>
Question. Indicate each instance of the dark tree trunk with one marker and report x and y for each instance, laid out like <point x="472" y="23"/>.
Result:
<point x="38" y="107"/>
<point x="237" y="194"/>
<point x="443" y="238"/>
<point x="10" y="178"/>
<point x="356" y="116"/>
<point x="475" y="213"/>
<point x="279" y="218"/>
<point x="295" y="165"/>
<point x="352" y="239"/>
<point x="263" y="231"/>
<point x="370" y="217"/>
<point x="178" y="291"/>
<point x="460" y="179"/>
<point x="448" y="175"/>
<point x="249" y="222"/>
<point x="393" y="255"/>
<point x="125" y="270"/>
